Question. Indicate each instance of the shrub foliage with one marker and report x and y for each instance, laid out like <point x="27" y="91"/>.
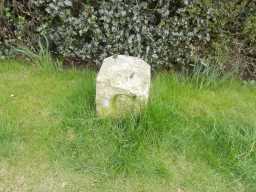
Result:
<point x="166" y="33"/>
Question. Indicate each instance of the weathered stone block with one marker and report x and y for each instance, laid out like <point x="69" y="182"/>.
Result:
<point x="122" y="85"/>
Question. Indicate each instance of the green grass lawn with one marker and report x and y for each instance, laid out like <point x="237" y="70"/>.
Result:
<point x="189" y="139"/>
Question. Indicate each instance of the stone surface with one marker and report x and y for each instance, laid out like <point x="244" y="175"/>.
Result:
<point x="122" y="85"/>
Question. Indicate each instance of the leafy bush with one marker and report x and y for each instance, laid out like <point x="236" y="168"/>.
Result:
<point x="164" y="33"/>
<point x="250" y="29"/>
<point x="167" y="33"/>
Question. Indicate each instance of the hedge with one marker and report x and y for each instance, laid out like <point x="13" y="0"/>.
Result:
<point x="168" y="34"/>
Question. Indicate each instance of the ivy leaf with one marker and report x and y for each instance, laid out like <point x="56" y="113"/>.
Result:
<point x="68" y="3"/>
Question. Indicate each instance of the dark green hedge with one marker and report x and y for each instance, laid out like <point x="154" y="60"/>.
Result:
<point x="166" y="33"/>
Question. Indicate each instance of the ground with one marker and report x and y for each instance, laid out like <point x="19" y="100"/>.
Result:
<point x="195" y="135"/>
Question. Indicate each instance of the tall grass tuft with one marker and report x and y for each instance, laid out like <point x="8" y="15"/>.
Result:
<point x="208" y="75"/>
<point x="41" y="56"/>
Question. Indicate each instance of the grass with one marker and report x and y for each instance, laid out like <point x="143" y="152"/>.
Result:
<point x="189" y="139"/>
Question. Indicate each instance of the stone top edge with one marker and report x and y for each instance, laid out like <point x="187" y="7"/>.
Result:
<point x="125" y="57"/>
